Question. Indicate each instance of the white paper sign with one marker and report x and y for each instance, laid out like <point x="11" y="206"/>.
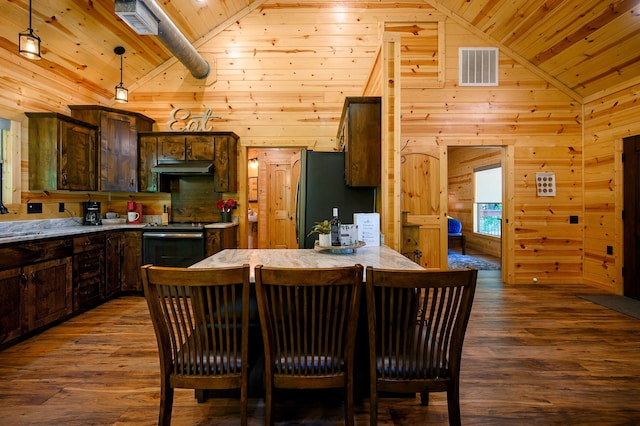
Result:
<point x="368" y="227"/>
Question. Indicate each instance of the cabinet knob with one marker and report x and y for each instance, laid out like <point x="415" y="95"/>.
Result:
<point x="25" y="279"/>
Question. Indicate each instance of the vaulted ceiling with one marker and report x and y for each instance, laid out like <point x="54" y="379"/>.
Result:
<point x="586" y="48"/>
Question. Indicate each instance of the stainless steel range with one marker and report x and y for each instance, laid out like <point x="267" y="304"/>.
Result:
<point x="176" y="244"/>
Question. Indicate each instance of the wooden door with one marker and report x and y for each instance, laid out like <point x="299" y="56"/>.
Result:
<point x="631" y="216"/>
<point x="420" y="170"/>
<point x="172" y="147"/>
<point x="113" y="262"/>
<point x="276" y="197"/>
<point x="77" y="160"/>
<point x="12" y="318"/>
<point x="118" y="153"/>
<point x="200" y="147"/>
<point x="49" y="291"/>
<point x="280" y="214"/>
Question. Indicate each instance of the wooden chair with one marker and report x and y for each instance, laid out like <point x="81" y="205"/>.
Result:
<point x="201" y="329"/>
<point x="454" y="228"/>
<point x="417" y="322"/>
<point x="309" y="319"/>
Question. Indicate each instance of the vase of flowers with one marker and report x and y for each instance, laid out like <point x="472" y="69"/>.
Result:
<point x="323" y="229"/>
<point x="225" y="207"/>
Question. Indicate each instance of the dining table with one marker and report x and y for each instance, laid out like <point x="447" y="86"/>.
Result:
<point x="376" y="256"/>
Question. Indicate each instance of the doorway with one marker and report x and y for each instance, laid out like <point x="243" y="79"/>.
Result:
<point x="481" y="226"/>
<point x="275" y="182"/>
<point x="631" y="179"/>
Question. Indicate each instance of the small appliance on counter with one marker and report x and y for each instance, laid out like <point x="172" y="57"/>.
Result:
<point x="91" y="213"/>
<point x="134" y="212"/>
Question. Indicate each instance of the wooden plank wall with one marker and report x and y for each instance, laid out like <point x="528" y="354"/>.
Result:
<point x="607" y="121"/>
<point x="544" y="127"/>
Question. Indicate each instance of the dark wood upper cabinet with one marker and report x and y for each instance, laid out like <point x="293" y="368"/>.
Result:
<point x="62" y="153"/>
<point x="360" y="136"/>
<point x="118" y="136"/>
<point x="221" y="148"/>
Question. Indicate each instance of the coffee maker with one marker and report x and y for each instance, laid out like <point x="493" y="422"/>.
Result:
<point x="91" y="213"/>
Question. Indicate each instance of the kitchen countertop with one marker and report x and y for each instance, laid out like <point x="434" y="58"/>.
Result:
<point x="19" y="231"/>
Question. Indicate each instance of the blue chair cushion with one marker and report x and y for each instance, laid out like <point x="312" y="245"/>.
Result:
<point x="455" y="226"/>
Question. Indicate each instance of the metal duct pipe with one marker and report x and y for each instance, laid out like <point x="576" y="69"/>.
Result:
<point x="174" y="40"/>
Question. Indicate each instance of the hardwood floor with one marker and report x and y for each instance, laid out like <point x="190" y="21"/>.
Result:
<point x="533" y="355"/>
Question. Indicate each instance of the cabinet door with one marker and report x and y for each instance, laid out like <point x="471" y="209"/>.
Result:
<point x="12" y="318"/>
<point x="172" y="147"/>
<point x="49" y="291"/>
<point x="132" y="261"/>
<point x="148" y="158"/>
<point x="118" y="152"/>
<point x="226" y="164"/>
<point x="200" y="147"/>
<point x="77" y="157"/>
<point x="113" y="260"/>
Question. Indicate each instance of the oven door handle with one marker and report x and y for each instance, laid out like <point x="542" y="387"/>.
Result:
<point x="173" y="235"/>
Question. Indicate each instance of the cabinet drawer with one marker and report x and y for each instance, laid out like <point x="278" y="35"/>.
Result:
<point x="25" y="253"/>
<point x="88" y="264"/>
<point x="88" y="242"/>
<point x="87" y="294"/>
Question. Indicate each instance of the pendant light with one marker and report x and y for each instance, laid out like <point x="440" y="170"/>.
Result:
<point x="28" y="42"/>
<point x="122" y="94"/>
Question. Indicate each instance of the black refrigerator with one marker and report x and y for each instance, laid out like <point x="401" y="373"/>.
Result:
<point x="321" y="188"/>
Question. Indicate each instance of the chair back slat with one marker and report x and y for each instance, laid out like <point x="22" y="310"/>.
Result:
<point x="420" y="320"/>
<point x="309" y="319"/>
<point x="308" y="324"/>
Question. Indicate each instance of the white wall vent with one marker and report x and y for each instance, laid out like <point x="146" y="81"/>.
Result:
<point x="478" y="66"/>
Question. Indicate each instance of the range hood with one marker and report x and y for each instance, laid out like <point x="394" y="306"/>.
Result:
<point x="184" y="168"/>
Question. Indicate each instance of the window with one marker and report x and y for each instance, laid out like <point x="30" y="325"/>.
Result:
<point x="487" y="212"/>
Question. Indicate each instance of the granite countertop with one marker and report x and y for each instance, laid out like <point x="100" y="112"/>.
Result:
<point x="28" y="230"/>
<point x="38" y="233"/>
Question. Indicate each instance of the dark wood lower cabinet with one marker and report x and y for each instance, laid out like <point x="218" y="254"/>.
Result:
<point x="113" y="263"/>
<point x="35" y="286"/>
<point x="48" y="295"/>
<point x="131" y="261"/>
<point x="12" y="316"/>
<point x="88" y="271"/>
<point x="47" y="281"/>
<point x="219" y="239"/>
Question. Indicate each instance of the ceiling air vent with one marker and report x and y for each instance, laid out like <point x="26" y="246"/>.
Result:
<point x="138" y="16"/>
<point x="478" y="66"/>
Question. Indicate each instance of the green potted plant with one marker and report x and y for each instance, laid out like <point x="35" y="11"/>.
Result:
<point x="323" y="229"/>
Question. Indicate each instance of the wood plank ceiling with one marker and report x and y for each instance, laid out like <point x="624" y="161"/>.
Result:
<point x="584" y="47"/>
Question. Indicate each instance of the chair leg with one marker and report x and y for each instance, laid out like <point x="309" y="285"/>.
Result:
<point x="166" y="402"/>
<point x="244" y="402"/>
<point x="424" y="398"/>
<point x="348" y="404"/>
<point x="373" y="404"/>
<point x="453" y="404"/>
<point x="268" y="404"/>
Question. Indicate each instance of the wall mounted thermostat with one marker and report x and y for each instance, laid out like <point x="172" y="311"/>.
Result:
<point x="546" y="184"/>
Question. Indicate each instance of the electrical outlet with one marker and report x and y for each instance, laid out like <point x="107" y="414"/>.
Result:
<point x="610" y="250"/>
<point x="61" y="207"/>
<point x="573" y="219"/>
<point x="34" y="208"/>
